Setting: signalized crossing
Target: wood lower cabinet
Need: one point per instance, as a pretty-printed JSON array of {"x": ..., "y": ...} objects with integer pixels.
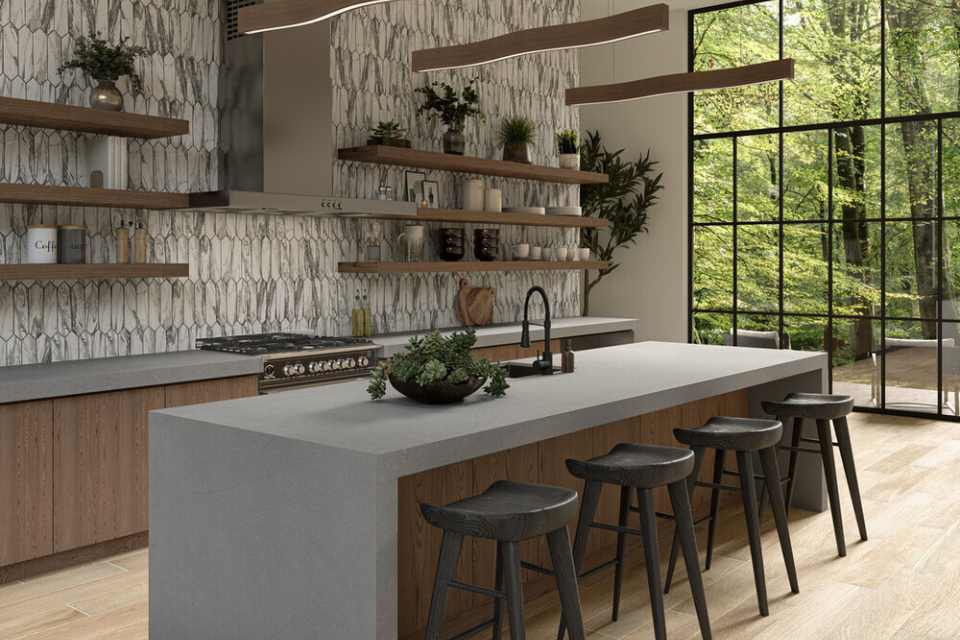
[
  {"x": 26, "y": 481},
  {"x": 180, "y": 395},
  {"x": 100, "y": 465}
]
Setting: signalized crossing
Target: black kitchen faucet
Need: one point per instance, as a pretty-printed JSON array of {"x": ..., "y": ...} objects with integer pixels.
[{"x": 545, "y": 362}]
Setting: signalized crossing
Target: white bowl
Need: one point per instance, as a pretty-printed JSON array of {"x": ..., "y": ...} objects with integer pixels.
[
  {"x": 537, "y": 210},
  {"x": 564, "y": 211}
]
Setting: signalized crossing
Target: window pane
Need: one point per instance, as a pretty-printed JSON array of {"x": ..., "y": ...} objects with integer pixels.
[
  {"x": 951, "y": 270},
  {"x": 911, "y": 366},
  {"x": 856, "y": 365},
  {"x": 856, "y": 173},
  {"x": 856, "y": 268},
  {"x": 805, "y": 176},
  {"x": 806, "y": 334},
  {"x": 748, "y": 324},
  {"x": 951, "y": 167},
  {"x": 921, "y": 57},
  {"x": 731, "y": 38},
  {"x": 757, "y": 188},
  {"x": 713, "y": 180},
  {"x": 713, "y": 267},
  {"x": 911, "y": 263},
  {"x": 951, "y": 368},
  {"x": 758, "y": 267},
  {"x": 912, "y": 170},
  {"x": 805, "y": 273},
  {"x": 836, "y": 46},
  {"x": 711, "y": 328}
]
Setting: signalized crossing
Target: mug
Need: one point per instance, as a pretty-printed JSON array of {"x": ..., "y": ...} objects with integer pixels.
[
  {"x": 584, "y": 253},
  {"x": 536, "y": 252},
  {"x": 561, "y": 254},
  {"x": 549, "y": 253},
  {"x": 412, "y": 240},
  {"x": 573, "y": 252},
  {"x": 486, "y": 244},
  {"x": 521, "y": 251},
  {"x": 451, "y": 244}
]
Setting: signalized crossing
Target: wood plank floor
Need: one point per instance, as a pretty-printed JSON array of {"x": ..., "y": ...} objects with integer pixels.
[{"x": 904, "y": 584}]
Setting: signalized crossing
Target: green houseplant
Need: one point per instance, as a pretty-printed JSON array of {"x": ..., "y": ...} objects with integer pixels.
[
  {"x": 106, "y": 64},
  {"x": 437, "y": 369},
  {"x": 624, "y": 201},
  {"x": 389, "y": 133},
  {"x": 453, "y": 108},
  {"x": 516, "y": 135},
  {"x": 568, "y": 149}
]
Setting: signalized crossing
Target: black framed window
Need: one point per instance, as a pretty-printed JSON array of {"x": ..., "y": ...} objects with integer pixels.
[{"x": 826, "y": 210}]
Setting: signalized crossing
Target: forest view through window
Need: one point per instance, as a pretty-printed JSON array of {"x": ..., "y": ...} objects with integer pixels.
[{"x": 825, "y": 212}]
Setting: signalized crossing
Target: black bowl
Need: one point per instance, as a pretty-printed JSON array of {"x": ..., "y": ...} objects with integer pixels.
[{"x": 440, "y": 393}]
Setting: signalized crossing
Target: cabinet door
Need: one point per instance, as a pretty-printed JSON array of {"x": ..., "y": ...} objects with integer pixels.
[
  {"x": 179, "y": 395},
  {"x": 100, "y": 466},
  {"x": 26, "y": 481}
]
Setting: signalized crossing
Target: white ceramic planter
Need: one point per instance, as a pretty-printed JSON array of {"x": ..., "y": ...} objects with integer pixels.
[{"x": 570, "y": 161}]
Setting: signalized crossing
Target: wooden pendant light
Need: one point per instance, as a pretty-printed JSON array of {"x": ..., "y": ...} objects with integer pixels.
[
  {"x": 287, "y": 14},
  {"x": 682, "y": 83},
  {"x": 564, "y": 36}
]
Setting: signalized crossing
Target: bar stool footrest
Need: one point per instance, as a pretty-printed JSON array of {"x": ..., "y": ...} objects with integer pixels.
[{"x": 483, "y": 591}]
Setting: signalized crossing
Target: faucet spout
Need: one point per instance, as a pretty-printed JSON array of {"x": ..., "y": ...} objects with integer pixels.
[{"x": 545, "y": 361}]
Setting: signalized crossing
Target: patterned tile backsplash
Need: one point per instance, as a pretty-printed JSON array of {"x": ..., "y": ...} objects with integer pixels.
[{"x": 253, "y": 273}]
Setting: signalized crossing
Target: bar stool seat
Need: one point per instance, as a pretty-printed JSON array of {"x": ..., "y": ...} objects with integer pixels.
[
  {"x": 813, "y": 406},
  {"x": 507, "y": 511},
  {"x": 743, "y": 434},
  {"x": 632, "y": 465}
]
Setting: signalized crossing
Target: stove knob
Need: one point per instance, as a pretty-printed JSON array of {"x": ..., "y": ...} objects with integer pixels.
[
  {"x": 314, "y": 367},
  {"x": 299, "y": 369},
  {"x": 327, "y": 365},
  {"x": 363, "y": 361},
  {"x": 350, "y": 363},
  {"x": 336, "y": 364},
  {"x": 269, "y": 371},
  {"x": 289, "y": 370}
]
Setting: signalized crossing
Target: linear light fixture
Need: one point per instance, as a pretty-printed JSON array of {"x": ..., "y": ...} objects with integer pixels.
[
  {"x": 682, "y": 83},
  {"x": 623, "y": 26},
  {"x": 287, "y": 14}
]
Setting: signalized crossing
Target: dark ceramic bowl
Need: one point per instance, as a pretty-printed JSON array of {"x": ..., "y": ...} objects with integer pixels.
[{"x": 441, "y": 393}]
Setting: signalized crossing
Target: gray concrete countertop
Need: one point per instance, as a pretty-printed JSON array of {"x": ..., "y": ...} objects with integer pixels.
[
  {"x": 405, "y": 437},
  {"x": 53, "y": 380},
  {"x": 510, "y": 333}
]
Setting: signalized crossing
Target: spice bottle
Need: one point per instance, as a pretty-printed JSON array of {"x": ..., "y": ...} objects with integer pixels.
[
  {"x": 367, "y": 317},
  {"x": 356, "y": 317},
  {"x": 567, "y": 357},
  {"x": 123, "y": 244},
  {"x": 140, "y": 244}
]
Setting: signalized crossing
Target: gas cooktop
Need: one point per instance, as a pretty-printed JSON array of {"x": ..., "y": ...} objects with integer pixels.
[{"x": 271, "y": 343}]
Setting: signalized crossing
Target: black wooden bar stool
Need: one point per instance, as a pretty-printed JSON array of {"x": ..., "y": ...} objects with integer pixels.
[
  {"x": 823, "y": 409},
  {"x": 508, "y": 512},
  {"x": 744, "y": 436},
  {"x": 641, "y": 468}
]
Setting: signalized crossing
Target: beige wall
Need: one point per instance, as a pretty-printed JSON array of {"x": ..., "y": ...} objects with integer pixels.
[{"x": 651, "y": 284}]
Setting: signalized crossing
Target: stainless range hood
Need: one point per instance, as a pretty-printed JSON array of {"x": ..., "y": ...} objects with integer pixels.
[{"x": 276, "y": 134}]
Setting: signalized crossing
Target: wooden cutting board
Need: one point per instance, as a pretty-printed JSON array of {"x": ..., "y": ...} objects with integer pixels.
[{"x": 475, "y": 304}]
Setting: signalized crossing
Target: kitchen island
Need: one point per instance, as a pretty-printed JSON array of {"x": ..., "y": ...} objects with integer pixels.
[{"x": 294, "y": 515}]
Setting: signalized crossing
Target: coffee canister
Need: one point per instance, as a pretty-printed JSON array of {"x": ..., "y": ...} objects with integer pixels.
[
  {"x": 72, "y": 244},
  {"x": 42, "y": 244}
]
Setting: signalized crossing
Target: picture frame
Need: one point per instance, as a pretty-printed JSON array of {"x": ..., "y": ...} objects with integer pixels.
[
  {"x": 413, "y": 185},
  {"x": 431, "y": 193}
]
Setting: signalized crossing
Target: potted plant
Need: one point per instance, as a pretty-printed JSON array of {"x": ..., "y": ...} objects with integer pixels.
[
  {"x": 516, "y": 136},
  {"x": 389, "y": 133},
  {"x": 105, "y": 63},
  {"x": 453, "y": 108},
  {"x": 438, "y": 370},
  {"x": 569, "y": 152}
]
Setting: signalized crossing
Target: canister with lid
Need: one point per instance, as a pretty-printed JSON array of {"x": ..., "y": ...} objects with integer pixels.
[
  {"x": 72, "y": 244},
  {"x": 42, "y": 244}
]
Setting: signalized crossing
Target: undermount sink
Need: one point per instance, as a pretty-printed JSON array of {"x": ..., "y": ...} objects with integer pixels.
[{"x": 525, "y": 369}]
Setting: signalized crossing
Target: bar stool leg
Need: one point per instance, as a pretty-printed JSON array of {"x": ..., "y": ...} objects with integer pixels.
[
  {"x": 588, "y": 509},
  {"x": 850, "y": 469},
  {"x": 749, "y": 491},
  {"x": 621, "y": 540},
  {"x": 648, "y": 528},
  {"x": 566, "y": 576},
  {"x": 830, "y": 470},
  {"x": 511, "y": 575},
  {"x": 768, "y": 458},
  {"x": 446, "y": 571},
  {"x": 719, "y": 458},
  {"x": 794, "y": 455},
  {"x": 498, "y": 603},
  {"x": 698, "y": 453},
  {"x": 680, "y": 500}
]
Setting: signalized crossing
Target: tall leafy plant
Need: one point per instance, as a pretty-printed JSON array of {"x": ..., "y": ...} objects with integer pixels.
[
  {"x": 451, "y": 106},
  {"x": 624, "y": 201},
  {"x": 103, "y": 61}
]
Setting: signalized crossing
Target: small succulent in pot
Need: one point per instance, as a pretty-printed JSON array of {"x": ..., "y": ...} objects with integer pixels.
[
  {"x": 437, "y": 369},
  {"x": 106, "y": 63},
  {"x": 516, "y": 136},
  {"x": 569, "y": 149},
  {"x": 453, "y": 108},
  {"x": 389, "y": 133}
]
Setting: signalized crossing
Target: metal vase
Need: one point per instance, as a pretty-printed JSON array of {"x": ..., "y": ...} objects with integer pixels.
[
  {"x": 106, "y": 96},
  {"x": 454, "y": 142},
  {"x": 517, "y": 152}
]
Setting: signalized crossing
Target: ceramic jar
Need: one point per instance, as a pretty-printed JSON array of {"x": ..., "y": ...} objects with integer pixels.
[{"x": 42, "y": 244}]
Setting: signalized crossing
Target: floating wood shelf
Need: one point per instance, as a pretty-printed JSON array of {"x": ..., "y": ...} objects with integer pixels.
[
  {"x": 466, "y": 266},
  {"x": 287, "y": 14},
  {"x": 682, "y": 83},
  {"x": 92, "y": 271},
  {"x": 381, "y": 154},
  {"x": 489, "y": 217},
  {"x": 588, "y": 33},
  {"x": 47, "y": 115},
  {"x": 86, "y": 197}
]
